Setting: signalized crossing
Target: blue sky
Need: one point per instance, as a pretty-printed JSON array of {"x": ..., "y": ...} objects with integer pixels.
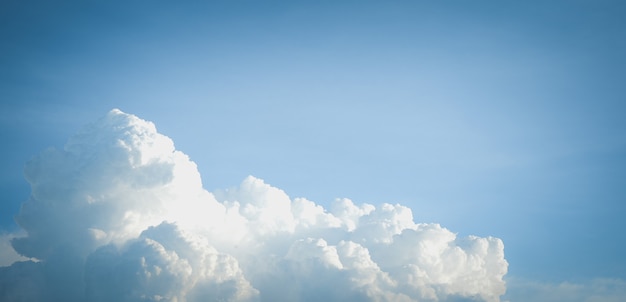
[{"x": 493, "y": 118}]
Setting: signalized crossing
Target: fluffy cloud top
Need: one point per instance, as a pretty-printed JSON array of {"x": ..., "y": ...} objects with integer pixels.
[{"x": 120, "y": 215}]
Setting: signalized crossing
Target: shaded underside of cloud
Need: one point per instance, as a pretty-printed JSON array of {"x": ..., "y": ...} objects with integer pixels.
[{"x": 120, "y": 215}]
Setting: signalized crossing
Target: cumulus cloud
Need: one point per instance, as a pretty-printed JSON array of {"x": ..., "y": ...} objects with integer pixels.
[
  {"x": 167, "y": 264},
  {"x": 120, "y": 215}
]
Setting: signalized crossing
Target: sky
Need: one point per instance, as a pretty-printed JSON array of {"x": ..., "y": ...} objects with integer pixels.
[{"x": 488, "y": 118}]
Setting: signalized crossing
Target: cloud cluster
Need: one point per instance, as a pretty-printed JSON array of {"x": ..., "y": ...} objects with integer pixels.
[{"x": 120, "y": 215}]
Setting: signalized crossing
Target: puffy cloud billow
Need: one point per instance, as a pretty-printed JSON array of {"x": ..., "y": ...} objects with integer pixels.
[{"x": 120, "y": 215}]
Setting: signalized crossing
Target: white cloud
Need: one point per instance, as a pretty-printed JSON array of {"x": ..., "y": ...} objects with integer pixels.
[
  {"x": 167, "y": 264},
  {"x": 119, "y": 214}
]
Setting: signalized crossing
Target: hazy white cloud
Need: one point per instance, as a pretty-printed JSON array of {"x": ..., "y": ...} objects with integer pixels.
[
  {"x": 120, "y": 215},
  {"x": 594, "y": 290},
  {"x": 7, "y": 254}
]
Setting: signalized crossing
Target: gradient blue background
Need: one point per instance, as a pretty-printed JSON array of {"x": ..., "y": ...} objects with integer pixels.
[{"x": 503, "y": 118}]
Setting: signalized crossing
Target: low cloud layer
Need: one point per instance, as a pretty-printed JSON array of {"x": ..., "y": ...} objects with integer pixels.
[
  {"x": 120, "y": 215},
  {"x": 591, "y": 290}
]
